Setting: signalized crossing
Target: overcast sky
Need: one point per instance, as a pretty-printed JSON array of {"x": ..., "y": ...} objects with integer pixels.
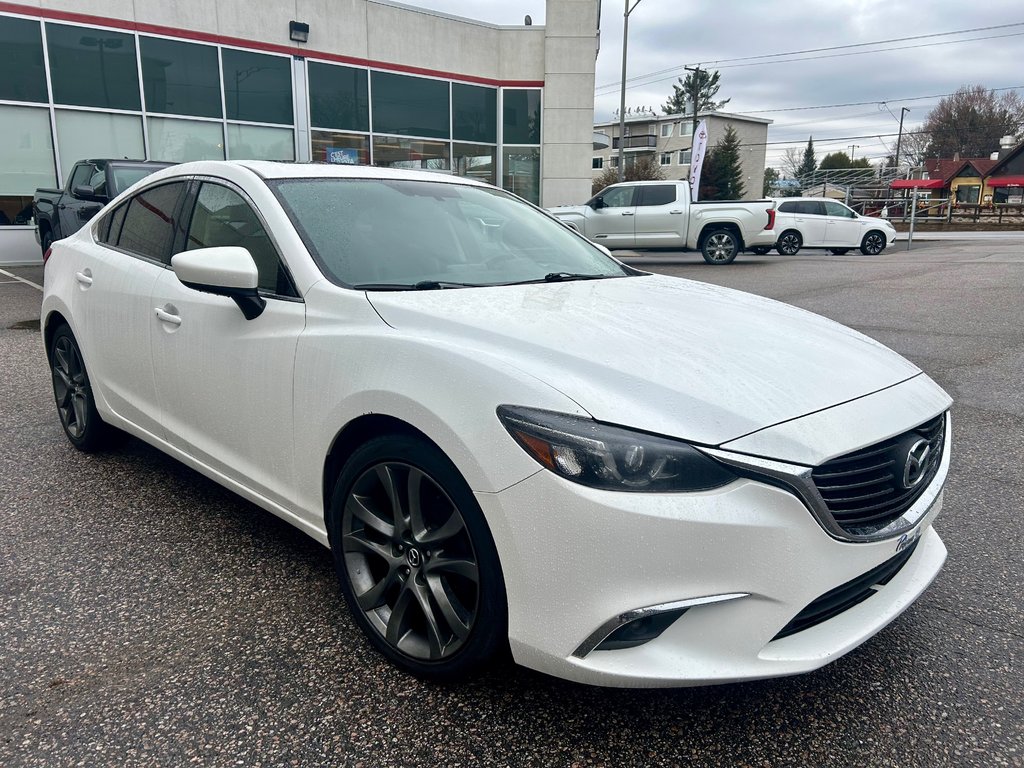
[{"x": 668, "y": 34}]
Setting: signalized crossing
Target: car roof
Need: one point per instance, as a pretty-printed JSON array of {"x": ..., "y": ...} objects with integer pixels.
[
  {"x": 273, "y": 170},
  {"x": 814, "y": 199}
]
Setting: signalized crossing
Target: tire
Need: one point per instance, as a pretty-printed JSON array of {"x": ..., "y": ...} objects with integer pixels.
[
  {"x": 789, "y": 243},
  {"x": 720, "y": 246},
  {"x": 419, "y": 573},
  {"x": 873, "y": 243},
  {"x": 72, "y": 393},
  {"x": 45, "y": 240},
  {"x": 760, "y": 250},
  {"x": 838, "y": 251}
]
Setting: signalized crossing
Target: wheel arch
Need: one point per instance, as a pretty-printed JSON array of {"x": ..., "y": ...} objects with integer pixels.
[
  {"x": 54, "y": 320},
  {"x": 727, "y": 225}
]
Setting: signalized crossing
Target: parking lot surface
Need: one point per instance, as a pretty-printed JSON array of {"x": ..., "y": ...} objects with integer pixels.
[{"x": 149, "y": 617}]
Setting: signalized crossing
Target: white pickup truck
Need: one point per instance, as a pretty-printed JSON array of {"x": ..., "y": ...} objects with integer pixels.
[{"x": 659, "y": 214}]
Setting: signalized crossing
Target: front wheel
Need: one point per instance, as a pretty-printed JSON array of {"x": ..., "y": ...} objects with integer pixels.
[
  {"x": 415, "y": 559},
  {"x": 73, "y": 393},
  {"x": 789, "y": 243},
  {"x": 872, "y": 244},
  {"x": 45, "y": 240},
  {"x": 720, "y": 246}
]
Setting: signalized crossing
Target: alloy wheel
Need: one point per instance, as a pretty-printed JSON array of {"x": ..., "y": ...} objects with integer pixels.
[
  {"x": 721, "y": 247},
  {"x": 410, "y": 561},
  {"x": 70, "y": 387},
  {"x": 873, "y": 244},
  {"x": 789, "y": 244}
]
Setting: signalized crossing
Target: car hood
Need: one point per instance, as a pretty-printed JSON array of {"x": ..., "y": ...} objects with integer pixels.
[{"x": 661, "y": 354}]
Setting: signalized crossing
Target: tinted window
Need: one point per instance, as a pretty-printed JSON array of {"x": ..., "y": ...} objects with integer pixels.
[
  {"x": 180, "y": 78},
  {"x": 82, "y": 175},
  {"x": 338, "y": 97},
  {"x": 222, "y": 217},
  {"x": 410, "y": 106},
  {"x": 24, "y": 77},
  {"x": 474, "y": 113},
  {"x": 618, "y": 197},
  {"x": 149, "y": 223},
  {"x": 93, "y": 67},
  {"x": 814, "y": 208},
  {"x": 257, "y": 87},
  {"x": 521, "y": 119},
  {"x": 659, "y": 194},
  {"x": 110, "y": 228},
  {"x": 789, "y": 207}
]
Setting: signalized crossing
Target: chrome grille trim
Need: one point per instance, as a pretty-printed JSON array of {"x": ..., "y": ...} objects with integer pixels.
[{"x": 797, "y": 479}]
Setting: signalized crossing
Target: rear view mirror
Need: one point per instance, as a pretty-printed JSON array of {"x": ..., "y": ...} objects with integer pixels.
[
  {"x": 224, "y": 271},
  {"x": 597, "y": 202},
  {"x": 85, "y": 192}
]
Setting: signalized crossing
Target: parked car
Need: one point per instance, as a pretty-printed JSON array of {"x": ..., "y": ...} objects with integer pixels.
[
  {"x": 659, "y": 214},
  {"x": 819, "y": 222},
  {"x": 91, "y": 183},
  {"x": 506, "y": 437}
]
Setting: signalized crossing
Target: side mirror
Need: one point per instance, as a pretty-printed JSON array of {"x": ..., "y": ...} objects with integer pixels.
[
  {"x": 85, "y": 192},
  {"x": 597, "y": 203},
  {"x": 224, "y": 271}
]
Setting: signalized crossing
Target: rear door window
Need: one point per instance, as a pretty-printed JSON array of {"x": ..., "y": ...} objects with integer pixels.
[
  {"x": 148, "y": 226},
  {"x": 657, "y": 194}
]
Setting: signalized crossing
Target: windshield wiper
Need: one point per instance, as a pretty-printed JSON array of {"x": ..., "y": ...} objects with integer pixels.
[
  {"x": 422, "y": 285},
  {"x": 561, "y": 277}
]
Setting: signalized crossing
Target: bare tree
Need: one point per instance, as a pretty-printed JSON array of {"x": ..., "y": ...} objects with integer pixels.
[
  {"x": 791, "y": 161},
  {"x": 640, "y": 169},
  {"x": 972, "y": 121}
]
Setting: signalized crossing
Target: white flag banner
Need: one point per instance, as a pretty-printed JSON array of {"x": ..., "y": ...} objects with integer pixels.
[{"x": 697, "y": 152}]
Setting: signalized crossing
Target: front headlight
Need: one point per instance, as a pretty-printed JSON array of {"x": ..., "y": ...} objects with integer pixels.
[{"x": 613, "y": 458}]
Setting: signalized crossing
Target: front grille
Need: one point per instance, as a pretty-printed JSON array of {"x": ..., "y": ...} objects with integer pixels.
[
  {"x": 866, "y": 490},
  {"x": 847, "y": 595}
]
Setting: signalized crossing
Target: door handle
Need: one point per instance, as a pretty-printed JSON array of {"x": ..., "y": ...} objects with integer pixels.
[
  {"x": 627, "y": 213},
  {"x": 167, "y": 317},
  {"x": 675, "y": 212},
  {"x": 84, "y": 278}
]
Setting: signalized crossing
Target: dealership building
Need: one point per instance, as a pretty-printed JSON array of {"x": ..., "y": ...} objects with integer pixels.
[{"x": 346, "y": 81}]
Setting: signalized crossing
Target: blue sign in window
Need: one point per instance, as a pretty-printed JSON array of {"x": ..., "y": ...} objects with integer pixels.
[{"x": 342, "y": 156}]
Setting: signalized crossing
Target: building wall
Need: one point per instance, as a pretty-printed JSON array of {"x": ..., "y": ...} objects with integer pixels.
[{"x": 396, "y": 86}]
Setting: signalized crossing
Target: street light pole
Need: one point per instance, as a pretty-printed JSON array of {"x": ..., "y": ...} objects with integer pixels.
[
  {"x": 899, "y": 138},
  {"x": 622, "y": 91}
]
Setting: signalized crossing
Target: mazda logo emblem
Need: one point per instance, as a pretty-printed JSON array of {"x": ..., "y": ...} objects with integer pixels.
[{"x": 916, "y": 464}]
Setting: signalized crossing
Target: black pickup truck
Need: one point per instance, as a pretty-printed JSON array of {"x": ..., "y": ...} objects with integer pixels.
[{"x": 91, "y": 184}]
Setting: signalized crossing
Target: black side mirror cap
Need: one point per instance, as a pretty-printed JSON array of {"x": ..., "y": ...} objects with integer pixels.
[{"x": 85, "y": 192}]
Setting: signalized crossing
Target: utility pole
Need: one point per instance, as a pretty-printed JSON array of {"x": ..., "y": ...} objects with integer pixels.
[
  {"x": 622, "y": 91},
  {"x": 899, "y": 138},
  {"x": 695, "y": 95},
  {"x": 853, "y": 147}
]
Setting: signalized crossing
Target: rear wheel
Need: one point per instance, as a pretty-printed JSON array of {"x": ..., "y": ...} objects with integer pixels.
[
  {"x": 415, "y": 559},
  {"x": 873, "y": 243},
  {"x": 73, "y": 394},
  {"x": 789, "y": 242},
  {"x": 45, "y": 240},
  {"x": 720, "y": 246}
]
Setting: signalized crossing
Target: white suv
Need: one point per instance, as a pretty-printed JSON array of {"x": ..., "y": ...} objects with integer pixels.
[{"x": 818, "y": 222}]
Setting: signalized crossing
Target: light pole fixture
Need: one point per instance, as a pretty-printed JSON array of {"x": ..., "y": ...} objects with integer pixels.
[
  {"x": 298, "y": 32},
  {"x": 622, "y": 91}
]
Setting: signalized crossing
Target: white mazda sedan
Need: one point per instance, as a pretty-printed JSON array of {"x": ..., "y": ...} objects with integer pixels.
[{"x": 507, "y": 438}]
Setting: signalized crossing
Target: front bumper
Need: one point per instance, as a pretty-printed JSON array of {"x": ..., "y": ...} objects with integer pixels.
[{"x": 581, "y": 556}]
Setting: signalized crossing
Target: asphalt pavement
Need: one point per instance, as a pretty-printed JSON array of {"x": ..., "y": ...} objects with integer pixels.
[{"x": 150, "y": 618}]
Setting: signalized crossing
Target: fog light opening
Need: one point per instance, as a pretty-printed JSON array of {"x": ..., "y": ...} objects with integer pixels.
[{"x": 640, "y": 631}]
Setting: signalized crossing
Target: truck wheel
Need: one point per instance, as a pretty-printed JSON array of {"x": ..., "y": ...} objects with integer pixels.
[
  {"x": 789, "y": 242},
  {"x": 45, "y": 240},
  {"x": 720, "y": 246}
]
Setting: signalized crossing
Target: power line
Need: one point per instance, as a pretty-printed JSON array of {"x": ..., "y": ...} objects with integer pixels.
[
  {"x": 866, "y": 103},
  {"x": 754, "y": 60}
]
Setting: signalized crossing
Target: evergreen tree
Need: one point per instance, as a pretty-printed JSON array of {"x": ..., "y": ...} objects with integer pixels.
[
  {"x": 707, "y": 88},
  {"x": 770, "y": 177},
  {"x": 808, "y": 165},
  {"x": 722, "y": 175}
]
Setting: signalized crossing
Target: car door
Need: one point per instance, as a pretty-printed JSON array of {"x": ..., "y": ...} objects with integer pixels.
[
  {"x": 75, "y": 212},
  {"x": 810, "y": 221},
  {"x": 844, "y": 226},
  {"x": 115, "y": 279},
  {"x": 659, "y": 220},
  {"x": 611, "y": 224},
  {"x": 224, "y": 383}
]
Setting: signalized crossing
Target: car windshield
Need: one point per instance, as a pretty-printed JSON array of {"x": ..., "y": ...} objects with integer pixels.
[
  {"x": 126, "y": 175},
  {"x": 388, "y": 234}
]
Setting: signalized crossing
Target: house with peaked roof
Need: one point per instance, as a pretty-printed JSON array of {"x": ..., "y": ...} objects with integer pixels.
[
  {"x": 963, "y": 179},
  {"x": 1005, "y": 181}
]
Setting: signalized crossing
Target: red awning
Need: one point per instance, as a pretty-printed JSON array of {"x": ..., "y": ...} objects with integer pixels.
[
  {"x": 917, "y": 183},
  {"x": 1006, "y": 181}
]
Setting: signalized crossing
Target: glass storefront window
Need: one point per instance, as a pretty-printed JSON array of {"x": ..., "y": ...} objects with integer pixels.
[
  {"x": 24, "y": 77},
  {"x": 180, "y": 78},
  {"x": 257, "y": 87},
  {"x": 340, "y": 148},
  {"x": 475, "y": 161},
  {"x": 521, "y": 172},
  {"x": 474, "y": 113},
  {"x": 414, "y": 154},
  {"x": 521, "y": 119},
  {"x": 85, "y": 135},
  {"x": 338, "y": 97},
  {"x": 179, "y": 141},
  {"x": 93, "y": 67},
  {"x": 258, "y": 142},
  {"x": 26, "y": 160},
  {"x": 410, "y": 106}
]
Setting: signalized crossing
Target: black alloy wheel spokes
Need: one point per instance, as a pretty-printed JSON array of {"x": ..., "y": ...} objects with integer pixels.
[
  {"x": 70, "y": 387},
  {"x": 410, "y": 561}
]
